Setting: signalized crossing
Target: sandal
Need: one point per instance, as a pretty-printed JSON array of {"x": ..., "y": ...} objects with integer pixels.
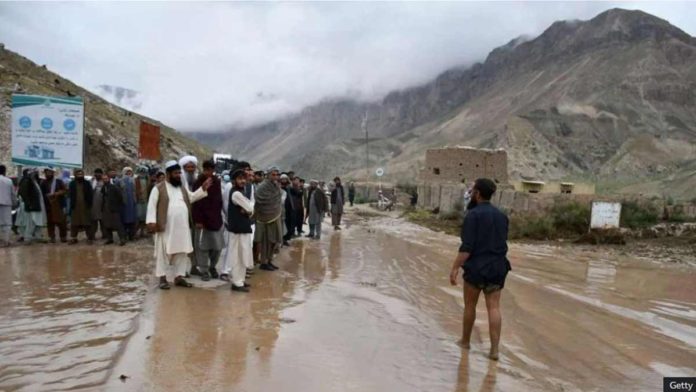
[
  {"x": 181, "y": 282},
  {"x": 164, "y": 285}
]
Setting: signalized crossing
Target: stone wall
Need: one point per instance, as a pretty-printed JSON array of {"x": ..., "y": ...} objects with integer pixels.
[
  {"x": 464, "y": 165},
  {"x": 446, "y": 196}
]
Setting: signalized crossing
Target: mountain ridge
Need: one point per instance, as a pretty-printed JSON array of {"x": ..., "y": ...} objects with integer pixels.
[{"x": 585, "y": 99}]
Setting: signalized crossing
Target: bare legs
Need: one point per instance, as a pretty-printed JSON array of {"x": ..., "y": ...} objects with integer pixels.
[
  {"x": 471, "y": 295},
  {"x": 495, "y": 321}
]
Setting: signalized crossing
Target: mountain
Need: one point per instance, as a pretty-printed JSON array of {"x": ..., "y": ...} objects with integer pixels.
[
  {"x": 111, "y": 131},
  {"x": 611, "y": 100},
  {"x": 121, "y": 96}
]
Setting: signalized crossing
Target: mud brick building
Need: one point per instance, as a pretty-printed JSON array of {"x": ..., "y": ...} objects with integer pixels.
[{"x": 464, "y": 165}]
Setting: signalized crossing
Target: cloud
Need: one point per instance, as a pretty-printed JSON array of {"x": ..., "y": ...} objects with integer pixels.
[{"x": 212, "y": 66}]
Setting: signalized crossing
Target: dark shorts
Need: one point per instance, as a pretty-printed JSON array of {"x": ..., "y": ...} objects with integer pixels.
[{"x": 487, "y": 288}]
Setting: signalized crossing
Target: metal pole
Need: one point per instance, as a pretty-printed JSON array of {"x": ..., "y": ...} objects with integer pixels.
[{"x": 367, "y": 150}]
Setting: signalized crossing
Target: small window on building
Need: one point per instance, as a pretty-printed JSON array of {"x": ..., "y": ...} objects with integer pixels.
[
  {"x": 533, "y": 191},
  {"x": 461, "y": 164},
  {"x": 566, "y": 189},
  {"x": 436, "y": 171}
]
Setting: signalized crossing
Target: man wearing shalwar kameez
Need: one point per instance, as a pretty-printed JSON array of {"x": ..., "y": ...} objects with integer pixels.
[
  {"x": 239, "y": 249},
  {"x": 54, "y": 198},
  {"x": 189, "y": 166},
  {"x": 268, "y": 213},
  {"x": 316, "y": 208},
  {"x": 337, "y": 201},
  {"x": 142, "y": 192},
  {"x": 32, "y": 215},
  {"x": 169, "y": 217},
  {"x": 249, "y": 191},
  {"x": 207, "y": 218},
  {"x": 129, "y": 212},
  {"x": 8, "y": 200},
  {"x": 80, "y": 199}
]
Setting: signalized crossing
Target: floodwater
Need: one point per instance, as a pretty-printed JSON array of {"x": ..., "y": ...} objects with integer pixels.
[{"x": 369, "y": 308}]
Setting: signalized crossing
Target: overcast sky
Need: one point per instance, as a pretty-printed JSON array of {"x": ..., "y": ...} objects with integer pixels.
[{"x": 209, "y": 66}]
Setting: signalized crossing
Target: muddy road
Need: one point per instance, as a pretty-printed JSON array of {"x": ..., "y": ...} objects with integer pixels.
[{"x": 366, "y": 309}]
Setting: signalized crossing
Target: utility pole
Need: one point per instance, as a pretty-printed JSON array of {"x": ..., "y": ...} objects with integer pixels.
[{"x": 367, "y": 149}]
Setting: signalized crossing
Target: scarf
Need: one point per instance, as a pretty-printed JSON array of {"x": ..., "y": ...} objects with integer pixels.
[{"x": 268, "y": 202}]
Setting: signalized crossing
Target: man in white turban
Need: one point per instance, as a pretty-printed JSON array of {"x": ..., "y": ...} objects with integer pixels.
[
  {"x": 169, "y": 217},
  {"x": 189, "y": 164}
]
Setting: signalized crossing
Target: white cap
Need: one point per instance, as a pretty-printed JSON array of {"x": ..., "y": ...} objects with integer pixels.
[
  {"x": 171, "y": 163},
  {"x": 188, "y": 159}
]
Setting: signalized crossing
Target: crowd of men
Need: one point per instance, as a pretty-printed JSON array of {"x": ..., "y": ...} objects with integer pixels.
[
  {"x": 214, "y": 225},
  {"x": 220, "y": 226}
]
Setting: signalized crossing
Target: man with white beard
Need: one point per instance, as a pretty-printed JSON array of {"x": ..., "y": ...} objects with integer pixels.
[
  {"x": 189, "y": 164},
  {"x": 169, "y": 217}
]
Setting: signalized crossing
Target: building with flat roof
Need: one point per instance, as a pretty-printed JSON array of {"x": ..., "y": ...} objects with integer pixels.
[{"x": 464, "y": 165}]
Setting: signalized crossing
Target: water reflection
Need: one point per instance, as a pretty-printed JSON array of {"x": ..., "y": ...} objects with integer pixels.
[{"x": 65, "y": 314}]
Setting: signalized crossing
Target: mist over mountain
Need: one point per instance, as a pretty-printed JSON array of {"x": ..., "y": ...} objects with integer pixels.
[
  {"x": 121, "y": 96},
  {"x": 611, "y": 99}
]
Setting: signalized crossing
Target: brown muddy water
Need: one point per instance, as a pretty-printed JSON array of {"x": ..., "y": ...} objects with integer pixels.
[{"x": 369, "y": 308}]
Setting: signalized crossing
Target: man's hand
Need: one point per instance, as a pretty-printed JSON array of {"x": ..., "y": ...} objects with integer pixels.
[
  {"x": 199, "y": 225},
  {"x": 459, "y": 261},
  {"x": 207, "y": 183},
  {"x": 152, "y": 227},
  {"x": 453, "y": 276}
]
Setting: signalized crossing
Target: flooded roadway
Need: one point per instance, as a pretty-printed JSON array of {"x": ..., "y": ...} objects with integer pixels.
[{"x": 366, "y": 309}]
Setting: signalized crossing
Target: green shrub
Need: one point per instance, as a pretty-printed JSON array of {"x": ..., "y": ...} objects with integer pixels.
[
  {"x": 677, "y": 218},
  {"x": 635, "y": 215},
  {"x": 360, "y": 199},
  {"x": 418, "y": 215},
  {"x": 571, "y": 218},
  {"x": 407, "y": 187},
  {"x": 451, "y": 215},
  {"x": 531, "y": 226}
]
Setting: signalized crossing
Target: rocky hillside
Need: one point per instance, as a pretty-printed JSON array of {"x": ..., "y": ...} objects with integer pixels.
[
  {"x": 611, "y": 100},
  {"x": 111, "y": 131}
]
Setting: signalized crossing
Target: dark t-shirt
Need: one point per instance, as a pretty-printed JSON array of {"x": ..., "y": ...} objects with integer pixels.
[{"x": 484, "y": 236}]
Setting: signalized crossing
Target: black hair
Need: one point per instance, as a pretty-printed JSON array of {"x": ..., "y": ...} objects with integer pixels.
[
  {"x": 485, "y": 187},
  {"x": 98, "y": 171},
  {"x": 209, "y": 164},
  {"x": 337, "y": 178},
  {"x": 243, "y": 165},
  {"x": 3, "y": 170},
  {"x": 237, "y": 173},
  {"x": 173, "y": 168}
]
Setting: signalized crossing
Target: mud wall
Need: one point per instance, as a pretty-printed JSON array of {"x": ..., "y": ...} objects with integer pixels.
[
  {"x": 446, "y": 196},
  {"x": 461, "y": 165}
]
